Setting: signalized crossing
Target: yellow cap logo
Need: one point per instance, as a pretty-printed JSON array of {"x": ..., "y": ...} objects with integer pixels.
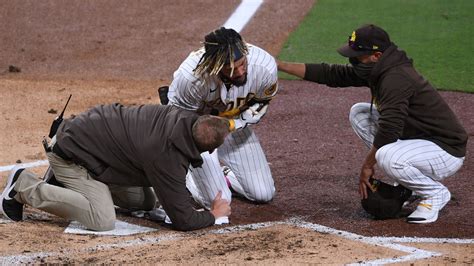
[{"x": 353, "y": 36}]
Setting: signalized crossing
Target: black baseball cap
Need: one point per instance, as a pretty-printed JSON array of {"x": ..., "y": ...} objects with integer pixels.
[{"x": 365, "y": 40}]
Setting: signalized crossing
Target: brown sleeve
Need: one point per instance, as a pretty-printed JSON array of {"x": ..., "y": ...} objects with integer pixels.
[
  {"x": 393, "y": 97},
  {"x": 170, "y": 188},
  {"x": 333, "y": 75}
]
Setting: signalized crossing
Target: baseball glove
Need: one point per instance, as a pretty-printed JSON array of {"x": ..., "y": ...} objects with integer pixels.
[{"x": 386, "y": 201}]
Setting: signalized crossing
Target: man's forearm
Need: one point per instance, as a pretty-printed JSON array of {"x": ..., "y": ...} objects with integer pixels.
[
  {"x": 366, "y": 172},
  {"x": 370, "y": 158},
  {"x": 296, "y": 69}
]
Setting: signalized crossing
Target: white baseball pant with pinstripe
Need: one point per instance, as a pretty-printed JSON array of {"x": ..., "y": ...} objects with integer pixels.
[
  {"x": 417, "y": 164},
  {"x": 243, "y": 154}
]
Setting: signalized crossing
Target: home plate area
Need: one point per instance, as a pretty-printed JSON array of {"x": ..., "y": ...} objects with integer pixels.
[{"x": 290, "y": 241}]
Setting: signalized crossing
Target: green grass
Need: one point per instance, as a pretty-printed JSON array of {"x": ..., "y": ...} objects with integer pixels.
[{"x": 437, "y": 34}]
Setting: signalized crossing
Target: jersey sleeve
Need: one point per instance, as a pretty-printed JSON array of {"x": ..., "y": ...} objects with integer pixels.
[
  {"x": 268, "y": 76},
  {"x": 186, "y": 91}
]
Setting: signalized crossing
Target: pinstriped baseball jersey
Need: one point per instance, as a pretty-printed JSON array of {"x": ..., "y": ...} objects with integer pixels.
[
  {"x": 203, "y": 94},
  {"x": 241, "y": 151}
]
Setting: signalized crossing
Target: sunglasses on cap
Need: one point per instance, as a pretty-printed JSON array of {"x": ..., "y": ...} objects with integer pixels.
[{"x": 360, "y": 47}]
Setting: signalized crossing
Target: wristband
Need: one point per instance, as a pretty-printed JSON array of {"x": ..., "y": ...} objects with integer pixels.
[
  {"x": 231, "y": 125},
  {"x": 235, "y": 124}
]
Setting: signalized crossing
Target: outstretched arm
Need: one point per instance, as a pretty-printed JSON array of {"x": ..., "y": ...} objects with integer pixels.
[
  {"x": 332, "y": 75},
  {"x": 296, "y": 69}
]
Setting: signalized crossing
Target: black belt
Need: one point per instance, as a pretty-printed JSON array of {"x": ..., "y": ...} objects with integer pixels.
[{"x": 57, "y": 150}]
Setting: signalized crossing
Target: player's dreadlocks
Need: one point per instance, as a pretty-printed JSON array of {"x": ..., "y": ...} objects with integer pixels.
[{"x": 222, "y": 46}]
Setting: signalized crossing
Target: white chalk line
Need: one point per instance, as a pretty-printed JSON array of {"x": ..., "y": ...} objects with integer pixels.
[
  {"x": 414, "y": 253},
  {"x": 242, "y": 14},
  {"x": 425, "y": 240},
  {"x": 387, "y": 242},
  {"x": 24, "y": 165}
]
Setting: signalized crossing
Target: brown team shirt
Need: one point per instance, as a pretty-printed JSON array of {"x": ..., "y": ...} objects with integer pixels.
[
  {"x": 149, "y": 145},
  {"x": 410, "y": 108}
]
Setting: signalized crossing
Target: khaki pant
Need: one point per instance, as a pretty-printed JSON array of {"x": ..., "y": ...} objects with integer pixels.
[{"x": 83, "y": 198}]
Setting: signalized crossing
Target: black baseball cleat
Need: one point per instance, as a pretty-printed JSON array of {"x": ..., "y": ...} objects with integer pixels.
[
  {"x": 9, "y": 206},
  {"x": 163, "y": 93}
]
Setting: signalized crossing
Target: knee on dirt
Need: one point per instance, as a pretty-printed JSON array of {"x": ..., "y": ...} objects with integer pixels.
[
  {"x": 101, "y": 222},
  {"x": 261, "y": 196}
]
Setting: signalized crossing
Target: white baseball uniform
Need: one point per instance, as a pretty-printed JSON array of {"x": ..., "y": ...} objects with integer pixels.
[
  {"x": 241, "y": 151},
  {"x": 417, "y": 164}
]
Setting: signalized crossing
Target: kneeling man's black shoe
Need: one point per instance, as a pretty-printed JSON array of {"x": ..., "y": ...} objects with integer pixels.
[{"x": 9, "y": 206}]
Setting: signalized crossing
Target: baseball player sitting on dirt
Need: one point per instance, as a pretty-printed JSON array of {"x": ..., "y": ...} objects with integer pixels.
[
  {"x": 114, "y": 154},
  {"x": 412, "y": 134},
  {"x": 229, "y": 78}
]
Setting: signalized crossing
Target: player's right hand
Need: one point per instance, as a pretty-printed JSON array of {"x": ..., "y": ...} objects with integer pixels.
[
  {"x": 220, "y": 207},
  {"x": 252, "y": 115}
]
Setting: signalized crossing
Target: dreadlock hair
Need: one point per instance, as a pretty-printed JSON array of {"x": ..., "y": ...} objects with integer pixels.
[{"x": 221, "y": 47}]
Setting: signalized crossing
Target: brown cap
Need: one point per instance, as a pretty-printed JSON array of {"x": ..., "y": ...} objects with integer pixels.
[{"x": 365, "y": 40}]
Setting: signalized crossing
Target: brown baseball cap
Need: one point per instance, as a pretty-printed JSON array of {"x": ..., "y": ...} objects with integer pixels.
[{"x": 365, "y": 40}]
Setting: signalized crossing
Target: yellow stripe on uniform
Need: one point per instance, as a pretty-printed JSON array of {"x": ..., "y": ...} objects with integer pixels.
[
  {"x": 426, "y": 205},
  {"x": 231, "y": 125},
  {"x": 230, "y": 114}
]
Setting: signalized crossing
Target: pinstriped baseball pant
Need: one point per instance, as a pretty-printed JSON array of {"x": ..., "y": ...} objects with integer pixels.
[
  {"x": 243, "y": 154},
  {"x": 417, "y": 164}
]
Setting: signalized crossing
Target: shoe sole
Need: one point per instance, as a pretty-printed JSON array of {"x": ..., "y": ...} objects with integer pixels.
[
  {"x": 426, "y": 221},
  {"x": 8, "y": 188}
]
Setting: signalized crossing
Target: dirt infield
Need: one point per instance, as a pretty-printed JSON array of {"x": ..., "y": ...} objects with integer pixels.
[{"x": 112, "y": 52}]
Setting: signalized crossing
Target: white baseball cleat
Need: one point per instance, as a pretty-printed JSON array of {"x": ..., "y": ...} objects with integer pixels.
[{"x": 428, "y": 209}]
